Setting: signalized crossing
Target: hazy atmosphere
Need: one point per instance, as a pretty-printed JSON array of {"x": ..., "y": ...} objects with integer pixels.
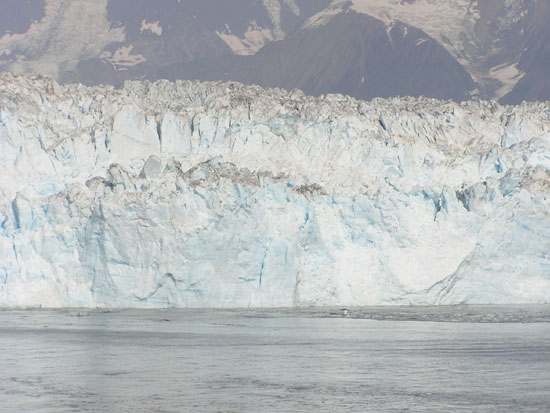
[
  {"x": 274, "y": 205},
  {"x": 457, "y": 49}
]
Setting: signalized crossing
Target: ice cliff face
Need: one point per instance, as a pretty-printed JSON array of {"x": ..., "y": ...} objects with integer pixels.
[{"x": 222, "y": 195}]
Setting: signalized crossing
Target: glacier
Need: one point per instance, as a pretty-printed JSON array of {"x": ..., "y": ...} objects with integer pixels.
[{"x": 210, "y": 194}]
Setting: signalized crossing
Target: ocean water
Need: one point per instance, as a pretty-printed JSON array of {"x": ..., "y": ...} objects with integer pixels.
[{"x": 418, "y": 359}]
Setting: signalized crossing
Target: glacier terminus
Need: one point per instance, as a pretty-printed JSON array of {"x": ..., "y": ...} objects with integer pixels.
[{"x": 211, "y": 194}]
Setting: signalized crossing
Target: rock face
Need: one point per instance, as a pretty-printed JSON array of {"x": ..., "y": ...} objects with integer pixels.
[
  {"x": 445, "y": 49},
  {"x": 109, "y": 41},
  {"x": 358, "y": 55},
  {"x": 222, "y": 195}
]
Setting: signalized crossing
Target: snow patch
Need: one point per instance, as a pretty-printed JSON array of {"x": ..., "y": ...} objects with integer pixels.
[
  {"x": 70, "y": 31},
  {"x": 152, "y": 27},
  {"x": 326, "y": 15},
  {"x": 293, "y": 7},
  {"x": 122, "y": 58},
  {"x": 421, "y": 40},
  {"x": 508, "y": 75},
  {"x": 274, "y": 9},
  {"x": 253, "y": 40}
]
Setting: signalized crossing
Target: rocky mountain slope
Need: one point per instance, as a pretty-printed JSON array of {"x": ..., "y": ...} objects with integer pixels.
[
  {"x": 223, "y": 195},
  {"x": 455, "y": 49},
  {"x": 357, "y": 55}
]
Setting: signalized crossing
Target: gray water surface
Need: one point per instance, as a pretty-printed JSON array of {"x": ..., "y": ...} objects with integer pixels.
[{"x": 485, "y": 359}]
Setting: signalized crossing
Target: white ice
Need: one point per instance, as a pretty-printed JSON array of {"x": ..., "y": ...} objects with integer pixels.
[{"x": 222, "y": 195}]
